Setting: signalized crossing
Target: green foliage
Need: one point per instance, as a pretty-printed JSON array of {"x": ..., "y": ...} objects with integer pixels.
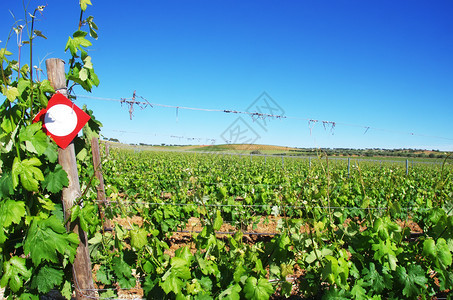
[
  {"x": 15, "y": 273},
  {"x": 36, "y": 251},
  {"x": 258, "y": 289},
  {"x": 350, "y": 251},
  {"x": 46, "y": 279},
  {"x": 56, "y": 180},
  {"x": 48, "y": 238},
  {"x": 29, "y": 173}
]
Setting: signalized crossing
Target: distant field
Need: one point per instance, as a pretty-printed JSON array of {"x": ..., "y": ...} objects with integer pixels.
[
  {"x": 381, "y": 155},
  {"x": 244, "y": 147}
]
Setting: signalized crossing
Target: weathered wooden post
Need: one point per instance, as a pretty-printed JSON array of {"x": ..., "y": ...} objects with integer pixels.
[
  {"x": 100, "y": 188},
  {"x": 349, "y": 166},
  {"x": 82, "y": 273},
  {"x": 407, "y": 166}
]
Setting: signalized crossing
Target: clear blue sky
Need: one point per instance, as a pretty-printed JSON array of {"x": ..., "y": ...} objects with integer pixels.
[{"x": 387, "y": 65}]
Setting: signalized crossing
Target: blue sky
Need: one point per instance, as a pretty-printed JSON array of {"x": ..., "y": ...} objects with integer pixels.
[{"x": 381, "y": 70}]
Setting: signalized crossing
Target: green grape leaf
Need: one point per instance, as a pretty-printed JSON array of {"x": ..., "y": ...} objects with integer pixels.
[
  {"x": 439, "y": 253},
  {"x": 258, "y": 289},
  {"x": 84, "y": 4},
  {"x": 429, "y": 247},
  {"x": 6, "y": 185},
  {"x": 443, "y": 253},
  {"x": 358, "y": 291},
  {"x": 7, "y": 125},
  {"x": 94, "y": 78},
  {"x": 180, "y": 267},
  {"x": 36, "y": 141},
  {"x": 80, "y": 40},
  {"x": 102, "y": 275},
  {"x": 218, "y": 221},
  {"x": 15, "y": 273},
  {"x": 120, "y": 267},
  {"x": 56, "y": 180},
  {"x": 66, "y": 291},
  {"x": 46, "y": 238},
  {"x": 51, "y": 152},
  {"x": 231, "y": 293},
  {"x": 171, "y": 284},
  {"x": 11, "y": 212},
  {"x": 28, "y": 172},
  {"x": 46, "y": 87},
  {"x": 72, "y": 46},
  {"x": 139, "y": 238},
  {"x": 127, "y": 283},
  {"x": 3, "y": 53},
  {"x": 10, "y": 92},
  {"x": 46, "y": 279},
  {"x": 413, "y": 280},
  {"x": 23, "y": 84},
  {"x": 385, "y": 252},
  {"x": 374, "y": 279},
  {"x": 83, "y": 74}
]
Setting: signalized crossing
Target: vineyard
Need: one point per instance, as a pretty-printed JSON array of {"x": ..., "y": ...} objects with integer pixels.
[
  {"x": 203, "y": 226},
  {"x": 194, "y": 225}
]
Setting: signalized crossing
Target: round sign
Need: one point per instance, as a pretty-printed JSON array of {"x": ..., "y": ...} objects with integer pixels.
[{"x": 60, "y": 120}]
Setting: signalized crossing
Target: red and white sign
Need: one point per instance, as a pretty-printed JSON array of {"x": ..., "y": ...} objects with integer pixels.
[{"x": 62, "y": 120}]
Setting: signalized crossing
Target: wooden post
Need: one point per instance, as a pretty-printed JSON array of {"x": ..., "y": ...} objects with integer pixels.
[
  {"x": 100, "y": 188},
  {"x": 81, "y": 267},
  {"x": 349, "y": 166},
  {"x": 107, "y": 150},
  {"x": 407, "y": 166}
]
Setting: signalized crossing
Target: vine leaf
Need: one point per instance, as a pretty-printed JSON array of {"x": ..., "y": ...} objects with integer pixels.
[
  {"x": 412, "y": 280},
  {"x": 51, "y": 152},
  {"x": 218, "y": 221},
  {"x": 46, "y": 279},
  {"x": 171, "y": 281},
  {"x": 35, "y": 139},
  {"x": 374, "y": 279},
  {"x": 358, "y": 291},
  {"x": 10, "y": 92},
  {"x": 56, "y": 180},
  {"x": 139, "y": 238},
  {"x": 77, "y": 41},
  {"x": 84, "y": 4},
  {"x": 6, "y": 185},
  {"x": 258, "y": 289},
  {"x": 103, "y": 275},
  {"x": 440, "y": 253},
  {"x": 11, "y": 212},
  {"x": 86, "y": 214},
  {"x": 47, "y": 238},
  {"x": 123, "y": 272},
  {"x": 231, "y": 293},
  {"x": 386, "y": 250},
  {"x": 28, "y": 172},
  {"x": 15, "y": 272}
]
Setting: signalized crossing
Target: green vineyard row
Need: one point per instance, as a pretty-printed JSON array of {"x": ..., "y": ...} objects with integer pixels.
[{"x": 376, "y": 233}]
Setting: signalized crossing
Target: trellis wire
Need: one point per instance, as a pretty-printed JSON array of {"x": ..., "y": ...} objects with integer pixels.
[{"x": 132, "y": 101}]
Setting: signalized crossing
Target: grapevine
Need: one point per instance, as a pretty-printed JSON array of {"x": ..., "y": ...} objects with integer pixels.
[{"x": 36, "y": 251}]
